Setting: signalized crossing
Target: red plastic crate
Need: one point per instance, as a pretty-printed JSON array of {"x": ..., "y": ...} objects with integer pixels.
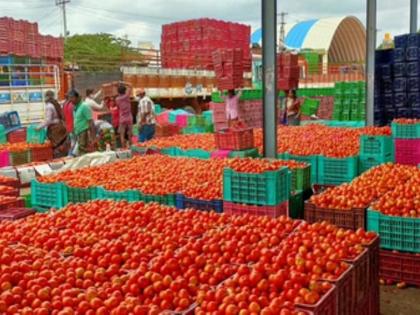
[
  {"x": 8, "y": 181},
  {"x": 9, "y": 191},
  {"x": 219, "y": 126},
  {"x": 373, "y": 250},
  {"x": 41, "y": 154},
  {"x": 407, "y": 151},
  {"x": 287, "y": 59},
  {"x": 270, "y": 211},
  {"x": 17, "y": 136},
  {"x": 374, "y": 303},
  {"x": 347, "y": 219},
  {"x": 235, "y": 140},
  {"x": 361, "y": 277},
  {"x": 220, "y": 154},
  {"x": 344, "y": 288},
  {"x": 11, "y": 202},
  {"x": 15, "y": 213},
  {"x": 287, "y": 84},
  {"x": 400, "y": 267},
  {"x": 291, "y": 72},
  {"x": 327, "y": 305}
]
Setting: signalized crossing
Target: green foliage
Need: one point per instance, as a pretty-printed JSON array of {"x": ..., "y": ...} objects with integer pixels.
[{"x": 97, "y": 52}]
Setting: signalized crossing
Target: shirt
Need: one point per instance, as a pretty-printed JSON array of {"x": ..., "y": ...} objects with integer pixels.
[
  {"x": 147, "y": 114},
  {"x": 82, "y": 116},
  {"x": 94, "y": 105},
  {"x": 68, "y": 109},
  {"x": 232, "y": 106},
  {"x": 293, "y": 107},
  {"x": 51, "y": 116},
  {"x": 124, "y": 107}
]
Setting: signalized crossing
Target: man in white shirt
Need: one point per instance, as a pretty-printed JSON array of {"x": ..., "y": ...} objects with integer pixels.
[
  {"x": 146, "y": 117},
  {"x": 91, "y": 100}
]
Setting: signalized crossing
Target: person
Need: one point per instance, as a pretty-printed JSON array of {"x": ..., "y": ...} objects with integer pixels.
[
  {"x": 146, "y": 117},
  {"x": 84, "y": 128},
  {"x": 293, "y": 109},
  {"x": 68, "y": 108},
  {"x": 125, "y": 127},
  {"x": 91, "y": 100},
  {"x": 232, "y": 107},
  {"x": 54, "y": 122}
]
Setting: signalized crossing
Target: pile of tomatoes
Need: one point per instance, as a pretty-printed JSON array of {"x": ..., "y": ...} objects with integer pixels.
[
  {"x": 406, "y": 121},
  {"x": 304, "y": 140},
  {"x": 394, "y": 185},
  {"x": 161, "y": 175},
  {"x": 114, "y": 258},
  {"x": 21, "y": 146}
]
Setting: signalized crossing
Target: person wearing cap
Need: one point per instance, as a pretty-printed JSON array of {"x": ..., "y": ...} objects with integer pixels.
[
  {"x": 146, "y": 117},
  {"x": 84, "y": 128}
]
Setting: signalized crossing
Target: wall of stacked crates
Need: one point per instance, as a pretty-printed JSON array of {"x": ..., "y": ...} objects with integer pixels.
[
  {"x": 190, "y": 44},
  {"x": 397, "y": 80}
]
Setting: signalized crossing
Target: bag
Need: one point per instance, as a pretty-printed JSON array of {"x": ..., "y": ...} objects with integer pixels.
[{"x": 57, "y": 134}]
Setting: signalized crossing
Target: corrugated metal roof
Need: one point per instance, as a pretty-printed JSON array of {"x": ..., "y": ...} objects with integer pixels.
[{"x": 297, "y": 34}]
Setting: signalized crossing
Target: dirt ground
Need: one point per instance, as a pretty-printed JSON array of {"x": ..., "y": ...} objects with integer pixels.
[{"x": 396, "y": 301}]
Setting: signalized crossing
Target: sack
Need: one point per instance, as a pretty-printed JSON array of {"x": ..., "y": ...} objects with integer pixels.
[{"x": 57, "y": 133}]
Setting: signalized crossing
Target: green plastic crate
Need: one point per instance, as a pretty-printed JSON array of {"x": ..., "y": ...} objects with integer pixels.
[
  {"x": 296, "y": 205},
  {"x": 367, "y": 162},
  {"x": 312, "y": 160},
  {"x": 310, "y": 107},
  {"x": 3, "y": 135},
  {"x": 300, "y": 178},
  {"x": 35, "y": 136},
  {"x": 172, "y": 151},
  {"x": 208, "y": 116},
  {"x": 198, "y": 154},
  {"x": 266, "y": 189},
  {"x": 376, "y": 146},
  {"x": 48, "y": 195},
  {"x": 196, "y": 121},
  {"x": 216, "y": 97},
  {"x": 245, "y": 153},
  {"x": 158, "y": 109},
  {"x": 168, "y": 200},
  {"x": 81, "y": 195},
  {"x": 128, "y": 195},
  {"x": 193, "y": 130},
  {"x": 334, "y": 171},
  {"x": 400, "y": 131},
  {"x": 396, "y": 233},
  {"x": 20, "y": 158},
  {"x": 28, "y": 201}
]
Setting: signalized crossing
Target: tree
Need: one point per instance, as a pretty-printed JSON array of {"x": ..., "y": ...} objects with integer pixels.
[{"x": 97, "y": 52}]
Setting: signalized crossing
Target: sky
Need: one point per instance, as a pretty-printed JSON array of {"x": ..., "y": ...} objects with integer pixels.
[{"x": 141, "y": 20}]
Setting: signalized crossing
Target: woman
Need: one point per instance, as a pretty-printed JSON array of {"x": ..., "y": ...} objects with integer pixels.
[
  {"x": 56, "y": 128},
  {"x": 232, "y": 108},
  {"x": 293, "y": 109}
]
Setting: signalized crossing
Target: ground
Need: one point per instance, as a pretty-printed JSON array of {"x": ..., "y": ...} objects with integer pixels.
[{"x": 396, "y": 301}]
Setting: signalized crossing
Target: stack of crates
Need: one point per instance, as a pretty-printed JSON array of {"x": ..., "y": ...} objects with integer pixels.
[
  {"x": 198, "y": 124},
  {"x": 239, "y": 142},
  {"x": 313, "y": 61},
  {"x": 349, "y": 101},
  {"x": 406, "y": 142},
  {"x": 374, "y": 151},
  {"x": 264, "y": 194}
]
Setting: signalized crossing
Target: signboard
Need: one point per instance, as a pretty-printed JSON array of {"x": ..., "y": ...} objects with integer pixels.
[
  {"x": 35, "y": 97},
  {"x": 5, "y": 98},
  {"x": 20, "y": 97}
]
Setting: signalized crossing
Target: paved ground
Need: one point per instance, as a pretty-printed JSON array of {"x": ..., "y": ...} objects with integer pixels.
[{"x": 396, "y": 301}]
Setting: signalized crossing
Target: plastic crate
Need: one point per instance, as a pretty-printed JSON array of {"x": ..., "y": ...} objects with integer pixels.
[
  {"x": 197, "y": 154},
  {"x": 296, "y": 205},
  {"x": 245, "y": 153},
  {"x": 407, "y": 151},
  {"x": 235, "y": 140},
  {"x": 4, "y": 158},
  {"x": 135, "y": 150},
  {"x": 193, "y": 130},
  {"x": 12, "y": 214},
  {"x": 11, "y": 191},
  {"x": 400, "y": 267},
  {"x": 220, "y": 154},
  {"x": 300, "y": 178},
  {"x": 397, "y": 233},
  {"x": 400, "y": 131},
  {"x": 348, "y": 219},
  {"x": 48, "y": 195},
  {"x": 336, "y": 171},
  {"x": 168, "y": 200},
  {"x": 41, "y": 154},
  {"x": 373, "y": 252},
  {"x": 27, "y": 200},
  {"x": 12, "y": 202},
  {"x": 197, "y": 121},
  {"x": 183, "y": 202},
  {"x": 366, "y": 163},
  {"x": 313, "y": 160},
  {"x": 361, "y": 277},
  {"x": 266, "y": 189},
  {"x": 269, "y": 211},
  {"x": 327, "y": 305},
  {"x": 344, "y": 288},
  {"x": 375, "y": 145},
  {"x": 81, "y": 195},
  {"x": 20, "y": 158},
  {"x": 128, "y": 195},
  {"x": 35, "y": 136},
  {"x": 172, "y": 151},
  {"x": 3, "y": 135},
  {"x": 310, "y": 107},
  {"x": 16, "y": 136}
]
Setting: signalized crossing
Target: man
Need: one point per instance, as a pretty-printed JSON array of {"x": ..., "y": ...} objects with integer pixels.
[
  {"x": 84, "y": 128},
  {"x": 146, "y": 117},
  {"x": 91, "y": 100},
  {"x": 125, "y": 127}
]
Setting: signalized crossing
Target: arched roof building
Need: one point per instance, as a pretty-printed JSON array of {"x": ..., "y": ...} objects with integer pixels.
[{"x": 341, "y": 39}]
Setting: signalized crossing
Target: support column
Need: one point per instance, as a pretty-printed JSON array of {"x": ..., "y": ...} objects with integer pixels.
[
  {"x": 413, "y": 16},
  {"x": 370, "y": 60},
  {"x": 269, "y": 77}
]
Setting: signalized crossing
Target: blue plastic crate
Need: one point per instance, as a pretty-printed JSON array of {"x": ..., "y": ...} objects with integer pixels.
[
  {"x": 403, "y": 113},
  {"x": 384, "y": 56},
  {"x": 399, "y": 55},
  {"x": 412, "y": 54},
  {"x": 414, "y": 106},
  {"x": 413, "y": 69},
  {"x": 182, "y": 202},
  {"x": 415, "y": 113},
  {"x": 386, "y": 85},
  {"x": 386, "y": 72},
  {"x": 400, "y": 85},
  {"x": 401, "y": 41},
  {"x": 413, "y": 40},
  {"x": 399, "y": 69},
  {"x": 413, "y": 98},
  {"x": 388, "y": 100},
  {"x": 413, "y": 84},
  {"x": 400, "y": 100}
]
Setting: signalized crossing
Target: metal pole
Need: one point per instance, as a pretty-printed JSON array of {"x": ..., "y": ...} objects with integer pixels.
[
  {"x": 370, "y": 60},
  {"x": 65, "y": 21},
  {"x": 413, "y": 16},
  {"x": 269, "y": 76}
]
